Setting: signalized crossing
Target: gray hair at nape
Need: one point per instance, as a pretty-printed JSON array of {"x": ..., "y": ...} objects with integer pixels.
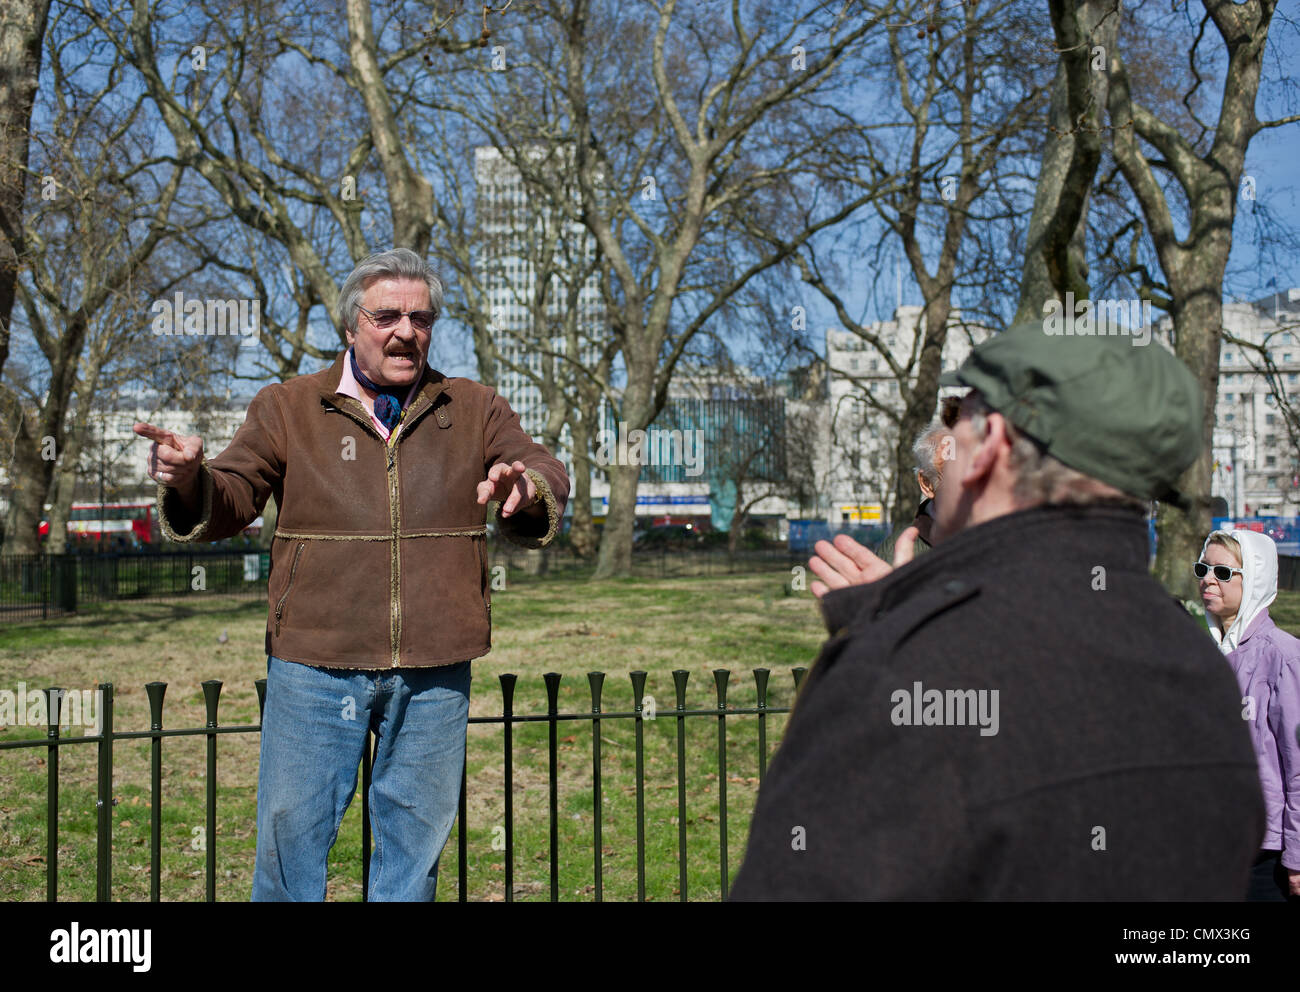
[
  {"x": 925, "y": 450},
  {"x": 1041, "y": 478},
  {"x": 396, "y": 263}
]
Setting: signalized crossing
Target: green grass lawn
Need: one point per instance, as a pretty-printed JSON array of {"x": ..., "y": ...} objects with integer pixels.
[{"x": 697, "y": 624}]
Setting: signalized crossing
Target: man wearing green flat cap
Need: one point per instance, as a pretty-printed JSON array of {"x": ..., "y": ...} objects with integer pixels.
[{"x": 1023, "y": 713}]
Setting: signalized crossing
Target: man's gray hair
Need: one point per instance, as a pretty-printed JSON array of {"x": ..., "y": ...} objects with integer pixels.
[
  {"x": 396, "y": 263},
  {"x": 1042, "y": 478},
  {"x": 925, "y": 449}
]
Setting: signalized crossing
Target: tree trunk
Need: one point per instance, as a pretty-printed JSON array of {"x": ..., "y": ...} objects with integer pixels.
[
  {"x": 615, "y": 558},
  {"x": 1035, "y": 285},
  {"x": 22, "y": 29},
  {"x": 919, "y": 409},
  {"x": 1194, "y": 264},
  {"x": 739, "y": 517},
  {"x": 1080, "y": 91},
  {"x": 31, "y": 475},
  {"x": 63, "y": 491},
  {"x": 1198, "y": 323},
  {"x": 582, "y": 530}
]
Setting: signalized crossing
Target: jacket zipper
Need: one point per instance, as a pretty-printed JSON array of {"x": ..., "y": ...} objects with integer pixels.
[
  {"x": 395, "y": 599},
  {"x": 279, "y": 607},
  {"x": 395, "y": 621}
]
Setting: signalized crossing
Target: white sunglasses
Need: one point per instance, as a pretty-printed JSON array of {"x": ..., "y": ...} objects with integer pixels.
[{"x": 1223, "y": 573}]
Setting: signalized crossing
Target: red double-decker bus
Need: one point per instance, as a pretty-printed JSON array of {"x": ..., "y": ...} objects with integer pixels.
[{"x": 95, "y": 523}]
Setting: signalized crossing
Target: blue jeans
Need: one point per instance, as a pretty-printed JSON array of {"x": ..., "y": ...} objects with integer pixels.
[{"x": 313, "y": 735}]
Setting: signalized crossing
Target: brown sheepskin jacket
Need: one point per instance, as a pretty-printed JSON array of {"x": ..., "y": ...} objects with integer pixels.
[{"x": 378, "y": 559}]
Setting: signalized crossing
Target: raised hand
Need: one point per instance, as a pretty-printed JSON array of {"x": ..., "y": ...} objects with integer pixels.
[
  {"x": 173, "y": 460},
  {"x": 509, "y": 485},
  {"x": 848, "y": 563}
]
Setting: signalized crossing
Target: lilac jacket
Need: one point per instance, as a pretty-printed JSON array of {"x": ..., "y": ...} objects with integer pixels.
[{"x": 1266, "y": 662}]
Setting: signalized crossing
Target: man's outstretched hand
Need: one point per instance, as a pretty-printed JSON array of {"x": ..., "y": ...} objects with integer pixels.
[
  {"x": 848, "y": 563},
  {"x": 510, "y": 486},
  {"x": 173, "y": 460}
]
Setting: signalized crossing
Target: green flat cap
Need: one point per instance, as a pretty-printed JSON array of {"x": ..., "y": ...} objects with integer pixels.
[{"x": 1129, "y": 415}]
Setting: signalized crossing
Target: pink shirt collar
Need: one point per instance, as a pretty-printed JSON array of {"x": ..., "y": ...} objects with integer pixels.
[{"x": 349, "y": 386}]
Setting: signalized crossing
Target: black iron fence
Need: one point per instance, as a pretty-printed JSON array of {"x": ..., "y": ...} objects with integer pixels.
[
  {"x": 108, "y": 736},
  {"x": 1288, "y": 572},
  {"x": 38, "y": 587}
]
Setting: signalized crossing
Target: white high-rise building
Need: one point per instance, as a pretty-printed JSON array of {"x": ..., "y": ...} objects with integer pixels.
[
  {"x": 1256, "y": 466},
  {"x": 861, "y": 438},
  {"x": 521, "y": 241}
]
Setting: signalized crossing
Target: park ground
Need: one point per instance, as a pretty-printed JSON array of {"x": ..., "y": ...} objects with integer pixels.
[
  {"x": 655, "y": 625},
  {"x": 697, "y": 624}
]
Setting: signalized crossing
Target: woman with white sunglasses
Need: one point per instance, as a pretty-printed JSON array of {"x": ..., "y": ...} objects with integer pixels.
[{"x": 1238, "y": 576}]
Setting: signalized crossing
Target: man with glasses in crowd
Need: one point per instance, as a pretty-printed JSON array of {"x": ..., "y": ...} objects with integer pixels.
[
  {"x": 1024, "y": 712},
  {"x": 381, "y": 469},
  {"x": 842, "y": 560}
]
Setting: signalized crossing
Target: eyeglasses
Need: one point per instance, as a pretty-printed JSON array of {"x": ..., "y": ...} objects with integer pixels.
[
  {"x": 1221, "y": 572},
  {"x": 421, "y": 320}
]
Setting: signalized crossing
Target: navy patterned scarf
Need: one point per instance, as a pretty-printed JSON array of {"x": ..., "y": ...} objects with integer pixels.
[{"x": 388, "y": 404}]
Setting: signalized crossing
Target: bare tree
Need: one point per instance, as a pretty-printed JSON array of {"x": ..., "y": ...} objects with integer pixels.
[
  {"x": 669, "y": 123},
  {"x": 92, "y": 233},
  {"x": 1055, "y": 255},
  {"x": 934, "y": 156},
  {"x": 290, "y": 128},
  {"x": 1204, "y": 171}
]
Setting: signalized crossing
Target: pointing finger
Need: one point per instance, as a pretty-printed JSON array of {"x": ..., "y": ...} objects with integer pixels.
[{"x": 158, "y": 435}]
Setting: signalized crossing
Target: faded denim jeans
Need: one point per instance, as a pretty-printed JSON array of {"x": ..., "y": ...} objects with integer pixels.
[{"x": 313, "y": 734}]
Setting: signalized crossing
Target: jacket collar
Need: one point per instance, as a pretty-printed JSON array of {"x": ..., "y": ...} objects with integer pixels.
[
  {"x": 1261, "y": 623},
  {"x": 432, "y": 385},
  {"x": 1077, "y": 537}
]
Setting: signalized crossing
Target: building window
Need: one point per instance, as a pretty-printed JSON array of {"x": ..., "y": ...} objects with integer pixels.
[
  {"x": 1227, "y": 358},
  {"x": 1270, "y": 419},
  {"x": 1286, "y": 357},
  {"x": 1270, "y": 460},
  {"x": 1230, "y": 417}
]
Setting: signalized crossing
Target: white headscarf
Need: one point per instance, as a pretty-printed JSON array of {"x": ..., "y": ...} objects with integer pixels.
[{"x": 1258, "y": 584}]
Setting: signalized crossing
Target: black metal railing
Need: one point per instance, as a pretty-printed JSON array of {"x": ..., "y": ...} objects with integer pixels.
[
  {"x": 1288, "y": 572},
  {"x": 38, "y": 587},
  {"x": 108, "y": 736}
]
